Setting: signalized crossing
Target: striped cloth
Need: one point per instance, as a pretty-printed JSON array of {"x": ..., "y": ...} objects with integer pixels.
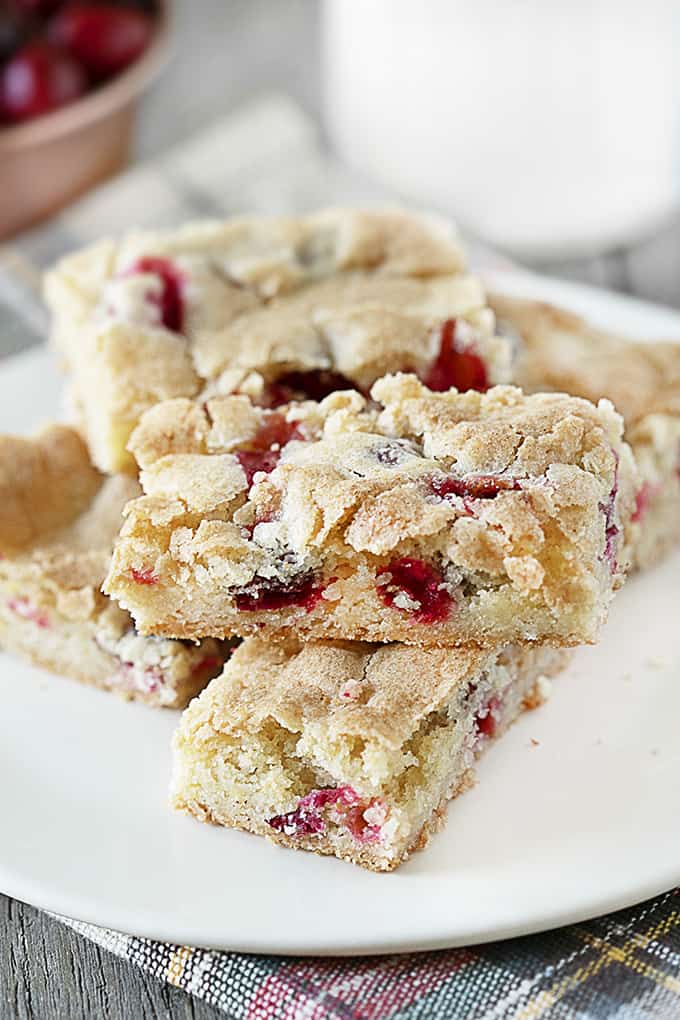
[{"x": 624, "y": 966}]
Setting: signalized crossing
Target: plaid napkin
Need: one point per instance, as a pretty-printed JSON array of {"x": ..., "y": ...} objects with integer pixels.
[
  {"x": 268, "y": 158},
  {"x": 625, "y": 966}
]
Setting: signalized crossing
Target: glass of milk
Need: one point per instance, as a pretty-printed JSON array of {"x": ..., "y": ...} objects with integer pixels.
[{"x": 547, "y": 127}]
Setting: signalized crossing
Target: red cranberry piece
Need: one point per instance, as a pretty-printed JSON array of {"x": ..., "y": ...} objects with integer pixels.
[
  {"x": 473, "y": 487},
  {"x": 102, "y": 37},
  {"x": 38, "y": 79},
  {"x": 455, "y": 366},
  {"x": 307, "y": 818},
  {"x": 486, "y": 722},
  {"x": 171, "y": 299},
  {"x": 303, "y": 821},
  {"x": 264, "y": 449},
  {"x": 272, "y": 595},
  {"x": 313, "y": 385},
  {"x": 144, "y": 576},
  {"x": 332, "y": 795},
  {"x": 253, "y": 461},
  {"x": 421, "y": 583}
]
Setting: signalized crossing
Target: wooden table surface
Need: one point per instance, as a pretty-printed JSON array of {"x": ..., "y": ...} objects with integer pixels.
[{"x": 241, "y": 47}]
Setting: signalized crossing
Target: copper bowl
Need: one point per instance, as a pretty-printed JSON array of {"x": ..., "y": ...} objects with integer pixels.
[{"x": 45, "y": 163}]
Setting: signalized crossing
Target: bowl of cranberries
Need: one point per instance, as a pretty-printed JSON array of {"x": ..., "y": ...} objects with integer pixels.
[{"x": 71, "y": 73}]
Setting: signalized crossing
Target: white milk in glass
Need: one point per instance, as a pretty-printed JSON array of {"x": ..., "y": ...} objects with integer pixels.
[{"x": 547, "y": 127}]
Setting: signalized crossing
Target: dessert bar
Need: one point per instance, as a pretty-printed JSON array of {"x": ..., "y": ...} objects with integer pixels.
[
  {"x": 348, "y": 749},
  {"x": 58, "y": 521},
  {"x": 427, "y": 518},
  {"x": 279, "y": 309},
  {"x": 559, "y": 351}
]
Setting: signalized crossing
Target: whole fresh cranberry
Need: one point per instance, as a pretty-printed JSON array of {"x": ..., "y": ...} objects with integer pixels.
[
  {"x": 103, "y": 37},
  {"x": 37, "y": 79}
]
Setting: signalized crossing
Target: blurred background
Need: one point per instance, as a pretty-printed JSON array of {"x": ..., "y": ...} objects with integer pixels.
[{"x": 548, "y": 131}]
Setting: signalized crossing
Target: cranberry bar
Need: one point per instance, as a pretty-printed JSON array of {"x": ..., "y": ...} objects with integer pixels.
[
  {"x": 348, "y": 749},
  {"x": 427, "y": 518},
  {"x": 279, "y": 309},
  {"x": 58, "y": 521},
  {"x": 559, "y": 351}
]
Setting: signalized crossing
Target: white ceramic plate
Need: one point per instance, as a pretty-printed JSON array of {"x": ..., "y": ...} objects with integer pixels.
[{"x": 575, "y": 813}]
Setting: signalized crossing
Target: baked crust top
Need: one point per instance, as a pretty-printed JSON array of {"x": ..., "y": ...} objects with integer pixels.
[
  {"x": 353, "y": 690},
  {"x": 343, "y": 295},
  {"x": 561, "y": 351},
  {"x": 59, "y": 516},
  {"x": 499, "y": 431}
]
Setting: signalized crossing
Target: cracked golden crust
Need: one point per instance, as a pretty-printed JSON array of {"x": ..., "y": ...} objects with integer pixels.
[
  {"x": 499, "y": 431},
  {"x": 274, "y": 254},
  {"x": 59, "y": 518},
  {"x": 350, "y": 292},
  {"x": 44, "y": 484},
  {"x": 354, "y": 690},
  {"x": 358, "y": 324},
  {"x": 560, "y": 351},
  {"x": 357, "y": 491},
  {"x": 351, "y": 689}
]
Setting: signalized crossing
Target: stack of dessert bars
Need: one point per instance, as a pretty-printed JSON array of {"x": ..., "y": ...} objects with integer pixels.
[{"x": 300, "y": 434}]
